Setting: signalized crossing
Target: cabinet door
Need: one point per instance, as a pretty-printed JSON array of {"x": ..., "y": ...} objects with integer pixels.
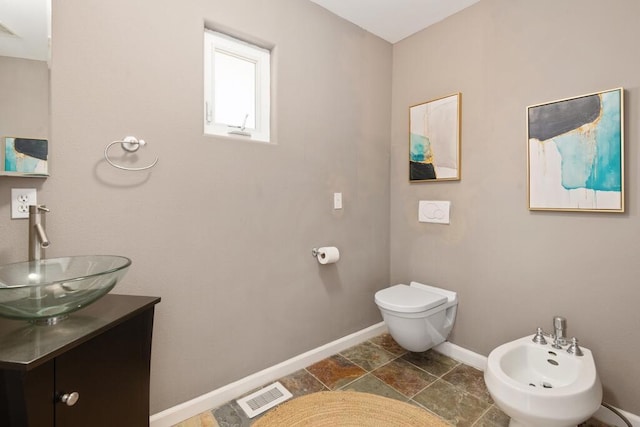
[
  {"x": 26, "y": 397},
  {"x": 111, "y": 375}
]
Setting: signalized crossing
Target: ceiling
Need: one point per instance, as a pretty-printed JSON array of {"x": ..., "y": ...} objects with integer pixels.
[
  {"x": 28, "y": 26},
  {"x": 394, "y": 20}
]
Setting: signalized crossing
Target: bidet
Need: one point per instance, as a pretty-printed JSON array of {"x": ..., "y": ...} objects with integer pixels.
[{"x": 539, "y": 385}]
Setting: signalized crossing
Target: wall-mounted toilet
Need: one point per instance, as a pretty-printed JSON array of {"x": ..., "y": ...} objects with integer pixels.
[{"x": 418, "y": 316}]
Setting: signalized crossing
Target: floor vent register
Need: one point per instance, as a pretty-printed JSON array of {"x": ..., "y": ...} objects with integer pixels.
[{"x": 264, "y": 399}]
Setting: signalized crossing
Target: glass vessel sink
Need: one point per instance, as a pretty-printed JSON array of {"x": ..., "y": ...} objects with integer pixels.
[{"x": 47, "y": 290}]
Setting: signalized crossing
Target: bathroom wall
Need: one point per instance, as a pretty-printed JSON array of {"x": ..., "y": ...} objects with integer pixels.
[
  {"x": 221, "y": 229},
  {"x": 24, "y": 103},
  {"x": 513, "y": 268}
]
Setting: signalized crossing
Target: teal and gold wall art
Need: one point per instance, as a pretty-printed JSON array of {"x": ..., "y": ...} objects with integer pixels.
[
  {"x": 26, "y": 155},
  {"x": 434, "y": 140},
  {"x": 576, "y": 153}
]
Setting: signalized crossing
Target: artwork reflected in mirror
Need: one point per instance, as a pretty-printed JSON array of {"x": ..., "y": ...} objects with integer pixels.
[
  {"x": 24, "y": 77},
  {"x": 434, "y": 140},
  {"x": 26, "y": 155}
]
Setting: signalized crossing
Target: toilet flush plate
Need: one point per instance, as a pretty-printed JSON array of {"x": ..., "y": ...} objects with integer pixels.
[{"x": 436, "y": 211}]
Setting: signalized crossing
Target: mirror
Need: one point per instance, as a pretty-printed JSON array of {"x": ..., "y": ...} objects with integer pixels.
[{"x": 25, "y": 37}]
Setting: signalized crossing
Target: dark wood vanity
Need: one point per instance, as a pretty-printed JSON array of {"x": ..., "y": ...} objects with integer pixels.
[{"x": 91, "y": 369}]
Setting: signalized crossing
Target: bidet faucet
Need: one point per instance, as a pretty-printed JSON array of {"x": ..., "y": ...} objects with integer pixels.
[
  {"x": 559, "y": 331},
  {"x": 574, "y": 348},
  {"x": 539, "y": 337},
  {"x": 38, "y": 239}
]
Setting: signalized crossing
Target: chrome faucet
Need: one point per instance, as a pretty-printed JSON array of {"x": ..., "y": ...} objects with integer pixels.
[
  {"x": 539, "y": 337},
  {"x": 559, "y": 332},
  {"x": 559, "y": 337},
  {"x": 38, "y": 239}
]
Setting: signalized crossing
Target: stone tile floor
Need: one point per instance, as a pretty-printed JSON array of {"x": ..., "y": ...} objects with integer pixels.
[{"x": 453, "y": 391}]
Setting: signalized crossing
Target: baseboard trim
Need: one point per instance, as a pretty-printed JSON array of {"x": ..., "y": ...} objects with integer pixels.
[
  {"x": 463, "y": 355},
  {"x": 215, "y": 398},
  {"x": 183, "y": 411}
]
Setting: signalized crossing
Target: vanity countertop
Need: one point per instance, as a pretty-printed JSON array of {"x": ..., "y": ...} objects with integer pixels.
[{"x": 24, "y": 346}]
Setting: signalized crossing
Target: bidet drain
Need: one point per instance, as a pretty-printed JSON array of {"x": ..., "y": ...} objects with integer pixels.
[{"x": 544, "y": 384}]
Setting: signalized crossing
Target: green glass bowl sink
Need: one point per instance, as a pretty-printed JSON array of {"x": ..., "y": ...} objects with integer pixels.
[{"x": 47, "y": 290}]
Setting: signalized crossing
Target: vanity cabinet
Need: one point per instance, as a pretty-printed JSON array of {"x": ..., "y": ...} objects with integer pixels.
[{"x": 91, "y": 369}]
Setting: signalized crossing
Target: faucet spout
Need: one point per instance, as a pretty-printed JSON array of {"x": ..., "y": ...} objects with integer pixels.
[
  {"x": 38, "y": 239},
  {"x": 42, "y": 236},
  {"x": 559, "y": 331}
]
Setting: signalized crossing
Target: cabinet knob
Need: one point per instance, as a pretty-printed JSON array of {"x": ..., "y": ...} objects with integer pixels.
[{"x": 70, "y": 399}]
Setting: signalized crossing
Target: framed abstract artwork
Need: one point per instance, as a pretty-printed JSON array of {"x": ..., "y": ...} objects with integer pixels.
[
  {"x": 576, "y": 153},
  {"x": 26, "y": 155},
  {"x": 434, "y": 140}
]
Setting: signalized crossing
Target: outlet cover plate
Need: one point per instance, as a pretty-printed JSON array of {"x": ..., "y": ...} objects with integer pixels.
[{"x": 21, "y": 198}]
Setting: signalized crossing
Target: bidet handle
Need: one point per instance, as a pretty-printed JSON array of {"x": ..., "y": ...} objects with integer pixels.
[
  {"x": 538, "y": 338},
  {"x": 574, "y": 348}
]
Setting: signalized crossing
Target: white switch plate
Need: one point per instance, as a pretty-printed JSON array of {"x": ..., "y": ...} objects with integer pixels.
[
  {"x": 434, "y": 211},
  {"x": 337, "y": 200},
  {"x": 21, "y": 198}
]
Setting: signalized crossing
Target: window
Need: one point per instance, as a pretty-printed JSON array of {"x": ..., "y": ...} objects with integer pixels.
[{"x": 237, "y": 87}]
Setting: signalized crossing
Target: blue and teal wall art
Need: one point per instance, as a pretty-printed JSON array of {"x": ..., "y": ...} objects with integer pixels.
[
  {"x": 576, "y": 153},
  {"x": 26, "y": 155},
  {"x": 434, "y": 140}
]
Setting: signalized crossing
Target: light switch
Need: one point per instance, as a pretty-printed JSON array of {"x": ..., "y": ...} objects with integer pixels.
[
  {"x": 337, "y": 200},
  {"x": 434, "y": 211}
]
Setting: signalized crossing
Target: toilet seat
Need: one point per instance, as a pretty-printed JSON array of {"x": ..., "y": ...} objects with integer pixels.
[{"x": 407, "y": 299}]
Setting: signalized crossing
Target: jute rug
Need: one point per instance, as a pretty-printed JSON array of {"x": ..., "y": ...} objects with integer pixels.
[{"x": 347, "y": 409}]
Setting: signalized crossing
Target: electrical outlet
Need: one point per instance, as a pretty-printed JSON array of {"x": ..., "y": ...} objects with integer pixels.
[{"x": 21, "y": 198}]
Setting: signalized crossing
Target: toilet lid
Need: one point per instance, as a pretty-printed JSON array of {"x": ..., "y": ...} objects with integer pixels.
[{"x": 408, "y": 299}]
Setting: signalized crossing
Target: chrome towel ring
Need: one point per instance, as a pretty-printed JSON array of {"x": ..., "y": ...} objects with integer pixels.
[{"x": 130, "y": 144}]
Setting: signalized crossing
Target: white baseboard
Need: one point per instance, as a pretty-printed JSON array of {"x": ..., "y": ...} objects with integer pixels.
[
  {"x": 215, "y": 398},
  {"x": 463, "y": 355}
]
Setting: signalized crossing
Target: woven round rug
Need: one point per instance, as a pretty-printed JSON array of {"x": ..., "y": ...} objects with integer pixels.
[{"x": 347, "y": 409}]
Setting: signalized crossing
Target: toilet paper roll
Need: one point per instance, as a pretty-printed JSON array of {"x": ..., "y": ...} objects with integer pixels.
[{"x": 328, "y": 255}]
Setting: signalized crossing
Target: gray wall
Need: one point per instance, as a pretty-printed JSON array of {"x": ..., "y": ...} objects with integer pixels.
[
  {"x": 221, "y": 229},
  {"x": 24, "y": 99},
  {"x": 514, "y": 269}
]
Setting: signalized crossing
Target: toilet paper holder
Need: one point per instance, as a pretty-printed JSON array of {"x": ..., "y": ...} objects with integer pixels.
[
  {"x": 326, "y": 255},
  {"x": 315, "y": 252}
]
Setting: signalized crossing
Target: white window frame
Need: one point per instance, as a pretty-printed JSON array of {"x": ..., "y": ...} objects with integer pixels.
[{"x": 216, "y": 41}]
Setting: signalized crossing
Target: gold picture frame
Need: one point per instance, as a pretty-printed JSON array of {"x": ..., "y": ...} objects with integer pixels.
[{"x": 575, "y": 153}]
